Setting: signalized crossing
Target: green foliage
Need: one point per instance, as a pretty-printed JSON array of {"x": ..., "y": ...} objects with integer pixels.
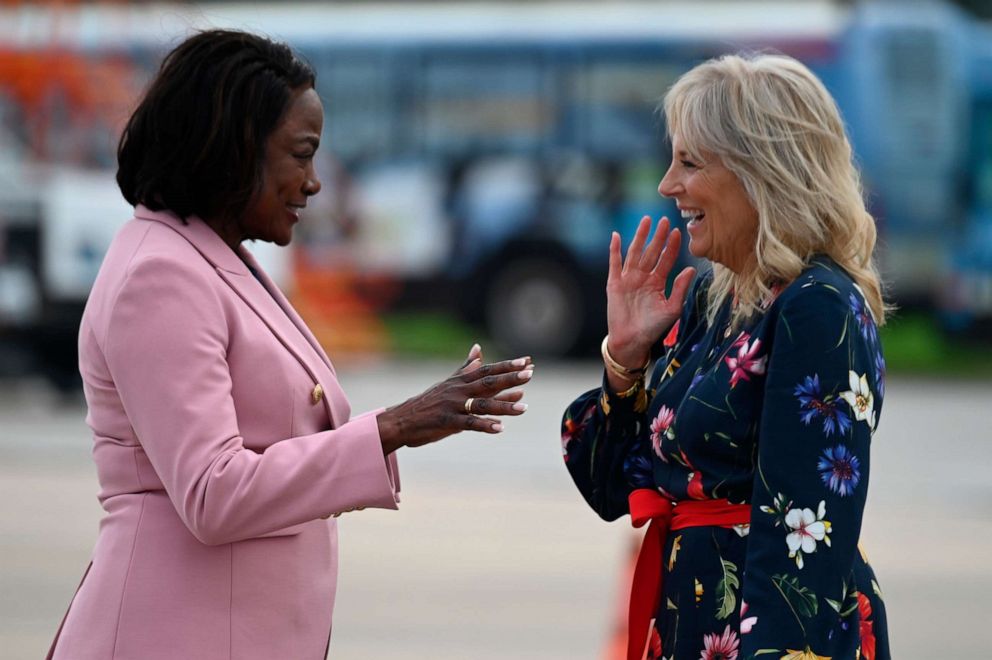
[
  {"x": 801, "y": 599},
  {"x": 433, "y": 335},
  {"x": 725, "y": 596},
  {"x": 914, "y": 344},
  {"x": 912, "y": 341},
  {"x": 847, "y": 604}
]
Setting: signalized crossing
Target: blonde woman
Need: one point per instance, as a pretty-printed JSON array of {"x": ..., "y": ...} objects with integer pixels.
[{"x": 748, "y": 449}]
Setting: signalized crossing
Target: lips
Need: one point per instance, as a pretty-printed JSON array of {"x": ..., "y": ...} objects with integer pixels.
[
  {"x": 294, "y": 212},
  {"x": 692, "y": 217}
]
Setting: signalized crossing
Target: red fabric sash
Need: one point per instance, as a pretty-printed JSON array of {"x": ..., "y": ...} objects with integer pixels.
[{"x": 645, "y": 591}]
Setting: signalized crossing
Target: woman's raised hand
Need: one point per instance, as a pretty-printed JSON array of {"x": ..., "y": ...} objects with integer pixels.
[
  {"x": 467, "y": 401},
  {"x": 637, "y": 309}
]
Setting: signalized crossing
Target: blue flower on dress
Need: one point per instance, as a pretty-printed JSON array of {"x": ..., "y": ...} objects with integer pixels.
[
  {"x": 864, "y": 318},
  {"x": 840, "y": 470},
  {"x": 880, "y": 374},
  {"x": 638, "y": 469},
  {"x": 813, "y": 404}
]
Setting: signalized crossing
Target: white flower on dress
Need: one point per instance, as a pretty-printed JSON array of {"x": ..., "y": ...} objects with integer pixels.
[
  {"x": 807, "y": 528},
  {"x": 742, "y": 530},
  {"x": 860, "y": 398}
]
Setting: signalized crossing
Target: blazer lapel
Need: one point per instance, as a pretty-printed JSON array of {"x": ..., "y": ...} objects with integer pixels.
[
  {"x": 286, "y": 307},
  {"x": 271, "y": 306},
  {"x": 275, "y": 310}
]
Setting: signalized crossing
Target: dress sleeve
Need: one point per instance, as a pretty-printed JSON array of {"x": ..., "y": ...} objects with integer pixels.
[
  {"x": 601, "y": 444},
  {"x": 820, "y": 408},
  {"x": 604, "y": 434}
]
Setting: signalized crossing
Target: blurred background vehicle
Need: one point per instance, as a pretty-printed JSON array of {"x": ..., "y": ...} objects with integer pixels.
[
  {"x": 486, "y": 149},
  {"x": 477, "y": 156}
]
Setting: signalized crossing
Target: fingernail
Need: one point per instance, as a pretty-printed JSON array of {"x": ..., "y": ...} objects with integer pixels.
[
  {"x": 519, "y": 362},
  {"x": 520, "y": 407},
  {"x": 497, "y": 427},
  {"x": 526, "y": 374}
]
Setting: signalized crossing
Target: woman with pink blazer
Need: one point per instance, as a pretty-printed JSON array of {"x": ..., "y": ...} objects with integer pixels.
[{"x": 224, "y": 446}]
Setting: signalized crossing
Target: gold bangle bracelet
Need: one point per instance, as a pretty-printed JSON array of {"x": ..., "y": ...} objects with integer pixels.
[
  {"x": 619, "y": 369},
  {"x": 630, "y": 391}
]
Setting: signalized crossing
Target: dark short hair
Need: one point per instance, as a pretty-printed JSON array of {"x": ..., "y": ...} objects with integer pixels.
[{"x": 195, "y": 143}]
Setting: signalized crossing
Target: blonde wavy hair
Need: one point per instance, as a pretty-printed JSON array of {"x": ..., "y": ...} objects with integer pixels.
[{"x": 773, "y": 124}]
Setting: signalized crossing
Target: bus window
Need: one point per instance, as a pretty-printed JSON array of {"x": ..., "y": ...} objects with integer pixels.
[
  {"x": 484, "y": 103},
  {"x": 966, "y": 301},
  {"x": 981, "y": 164},
  {"x": 613, "y": 104},
  {"x": 912, "y": 69},
  {"x": 358, "y": 94}
]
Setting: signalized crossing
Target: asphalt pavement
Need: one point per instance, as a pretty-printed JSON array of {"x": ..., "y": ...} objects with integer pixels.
[{"x": 493, "y": 554}]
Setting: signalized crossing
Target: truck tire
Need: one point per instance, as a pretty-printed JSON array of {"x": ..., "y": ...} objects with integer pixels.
[{"x": 535, "y": 306}]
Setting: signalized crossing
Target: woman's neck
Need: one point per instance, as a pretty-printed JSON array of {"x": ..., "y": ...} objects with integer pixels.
[{"x": 228, "y": 231}]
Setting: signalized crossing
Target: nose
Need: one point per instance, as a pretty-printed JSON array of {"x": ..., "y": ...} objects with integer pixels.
[
  {"x": 311, "y": 185},
  {"x": 670, "y": 185}
]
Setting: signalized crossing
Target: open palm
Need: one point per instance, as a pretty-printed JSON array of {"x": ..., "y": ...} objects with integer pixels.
[{"x": 637, "y": 309}]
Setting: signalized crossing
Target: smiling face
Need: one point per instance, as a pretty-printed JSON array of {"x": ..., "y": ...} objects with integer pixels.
[
  {"x": 288, "y": 177},
  {"x": 721, "y": 221}
]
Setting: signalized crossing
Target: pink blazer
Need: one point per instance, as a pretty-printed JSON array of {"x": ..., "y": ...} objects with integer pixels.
[{"x": 224, "y": 450}]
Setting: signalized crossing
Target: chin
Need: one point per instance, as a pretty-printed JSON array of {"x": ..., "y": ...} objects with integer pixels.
[{"x": 283, "y": 236}]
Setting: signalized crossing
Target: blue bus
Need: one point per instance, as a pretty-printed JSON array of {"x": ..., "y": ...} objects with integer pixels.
[
  {"x": 965, "y": 300},
  {"x": 478, "y": 156}
]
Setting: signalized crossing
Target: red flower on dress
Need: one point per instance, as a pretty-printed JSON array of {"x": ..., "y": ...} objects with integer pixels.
[
  {"x": 573, "y": 429},
  {"x": 695, "y": 487},
  {"x": 654, "y": 645},
  {"x": 776, "y": 289},
  {"x": 867, "y": 628},
  {"x": 720, "y": 647},
  {"x": 672, "y": 337},
  {"x": 746, "y": 361}
]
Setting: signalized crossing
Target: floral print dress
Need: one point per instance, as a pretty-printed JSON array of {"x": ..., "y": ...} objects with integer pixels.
[{"x": 777, "y": 414}]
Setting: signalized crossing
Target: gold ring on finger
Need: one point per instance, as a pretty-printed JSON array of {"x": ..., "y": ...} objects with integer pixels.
[{"x": 468, "y": 405}]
